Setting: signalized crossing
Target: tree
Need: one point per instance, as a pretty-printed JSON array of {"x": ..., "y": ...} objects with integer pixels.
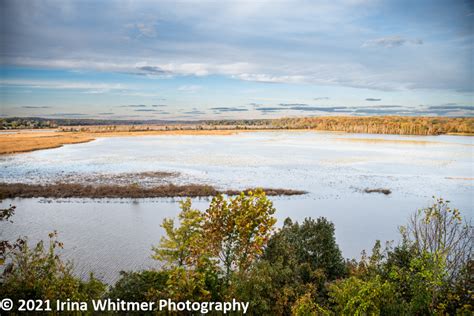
[
  {"x": 313, "y": 242},
  {"x": 204, "y": 251},
  {"x": 298, "y": 261},
  {"x": 354, "y": 296},
  {"x": 271, "y": 288},
  {"x": 5, "y": 245},
  {"x": 427, "y": 273},
  {"x": 438, "y": 274},
  {"x": 238, "y": 229},
  {"x": 305, "y": 306},
  {"x": 182, "y": 245},
  {"x": 441, "y": 231},
  {"x": 138, "y": 286},
  {"x": 185, "y": 252}
]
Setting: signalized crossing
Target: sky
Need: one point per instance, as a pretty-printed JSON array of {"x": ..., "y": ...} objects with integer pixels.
[{"x": 193, "y": 60}]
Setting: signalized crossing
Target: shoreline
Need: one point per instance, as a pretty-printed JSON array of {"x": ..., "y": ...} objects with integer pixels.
[{"x": 22, "y": 141}]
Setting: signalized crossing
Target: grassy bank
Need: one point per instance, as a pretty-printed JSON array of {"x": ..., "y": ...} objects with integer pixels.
[
  {"x": 26, "y": 141},
  {"x": 72, "y": 190},
  {"x": 30, "y": 141}
]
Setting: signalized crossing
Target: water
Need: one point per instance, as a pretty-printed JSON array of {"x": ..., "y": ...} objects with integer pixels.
[{"x": 110, "y": 235}]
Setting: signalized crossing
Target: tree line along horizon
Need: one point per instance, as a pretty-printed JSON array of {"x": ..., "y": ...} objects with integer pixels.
[
  {"x": 402, "y": 125},
  {"x": 233, "y": 250}
]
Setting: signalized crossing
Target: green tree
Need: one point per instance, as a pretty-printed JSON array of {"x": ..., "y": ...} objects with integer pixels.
[
  {"x": 239, "y": 228},
  {"x": 138, "y": 286},
  {"x": 312, "y": 243},
  {"x": 427, "y": 273},
  {"x": 182, "y": 245},
  {"x": 185, "y": 252},
  {"x": 354, "y": 296},
  {"x": 441, "y": 231},
  {"x": 305, "y": 306},
  {"x": 436, "y": 279},
  {"x": 299, "y": 260},
  {"x": 271, "y": 288}
]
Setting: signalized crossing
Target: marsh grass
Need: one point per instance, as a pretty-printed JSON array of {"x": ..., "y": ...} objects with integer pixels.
[
  {"x": 73, "y": 190},
  {"x": 379, "y": 190}
]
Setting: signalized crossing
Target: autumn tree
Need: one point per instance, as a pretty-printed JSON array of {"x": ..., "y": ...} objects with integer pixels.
[
  {"x": 238, "y": 229},
  {"x": 206, "y": 248},
  {"x": 182, "y": 245}
]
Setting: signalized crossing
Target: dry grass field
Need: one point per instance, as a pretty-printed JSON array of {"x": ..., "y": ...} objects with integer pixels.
[{"x": 25, "y": 141}]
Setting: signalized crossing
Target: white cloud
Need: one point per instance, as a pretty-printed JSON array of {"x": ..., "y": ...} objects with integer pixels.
[
  {"x": 150, "y": 68},
  {"x": 271, "y": 79},
  {"x": 189, "y": 88},
  {"x": 41, "y": 84}
]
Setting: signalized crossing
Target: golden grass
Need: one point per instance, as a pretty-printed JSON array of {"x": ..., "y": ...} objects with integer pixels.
[
  {"x": 27, "y": 140},
  {"x": 461, "y": 134}
]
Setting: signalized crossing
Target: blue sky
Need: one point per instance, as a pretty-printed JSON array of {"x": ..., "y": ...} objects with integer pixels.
[{"x": 235, "y": 59}]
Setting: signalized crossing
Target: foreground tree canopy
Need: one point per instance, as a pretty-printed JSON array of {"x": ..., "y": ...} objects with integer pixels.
[{"x": 232, "y": 250}]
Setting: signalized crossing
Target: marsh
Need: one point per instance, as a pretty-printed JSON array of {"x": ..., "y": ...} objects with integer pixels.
[{"x": 109, "y": 235}]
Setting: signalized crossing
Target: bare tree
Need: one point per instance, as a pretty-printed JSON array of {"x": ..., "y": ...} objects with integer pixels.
[{"x": 441, "y": 231}]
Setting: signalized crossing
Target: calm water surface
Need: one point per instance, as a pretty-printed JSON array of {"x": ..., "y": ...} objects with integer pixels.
[{"x": 110, "y": 235}]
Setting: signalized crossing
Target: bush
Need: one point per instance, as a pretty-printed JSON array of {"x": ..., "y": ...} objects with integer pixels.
[
  {"x": 39, "y": 273},
  {"x": 138, "y": 286}
]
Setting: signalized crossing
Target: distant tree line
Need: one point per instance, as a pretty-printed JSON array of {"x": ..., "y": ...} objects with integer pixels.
[
  {"x": 26, "y": 123},
  {"x": 39, "y": 122},
  {"x": 401, "y": 125},
  {"x": 232, "y": 250}
]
